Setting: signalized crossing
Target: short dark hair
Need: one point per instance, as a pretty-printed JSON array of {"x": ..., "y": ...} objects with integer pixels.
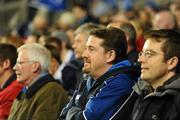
[
  {"x": 114, "y": 39},
  {"x": 171, "y": 43},
  {"x": 9, "y": 52},
  {"x": 54, "y": 41},
  {"x": 129, "y": 29},
  {"x": 54, "y": 52}
]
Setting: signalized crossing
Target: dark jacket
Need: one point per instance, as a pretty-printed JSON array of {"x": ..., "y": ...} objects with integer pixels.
[
  {"x": 133, "y": 55},
  {"x": 99, "y": 99},
  {"x": 41, "y": 101},
  {"x": 162, "y": 104},
  {"x": 71, "y": 81}
]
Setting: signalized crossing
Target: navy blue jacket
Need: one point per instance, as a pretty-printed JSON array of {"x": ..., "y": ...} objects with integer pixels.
[{"x": 100, "y": 99}]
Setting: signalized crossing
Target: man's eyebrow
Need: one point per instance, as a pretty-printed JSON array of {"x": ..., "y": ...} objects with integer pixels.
[{"x": 150, "y": 50}]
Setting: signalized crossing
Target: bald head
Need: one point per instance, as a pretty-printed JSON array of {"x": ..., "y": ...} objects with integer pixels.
[{"x": 164, "y": 20}]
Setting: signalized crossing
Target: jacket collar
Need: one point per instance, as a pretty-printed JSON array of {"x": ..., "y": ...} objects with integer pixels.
[
  {"x": 173, "y": 83},
  {"x": 37, "y": 85},
  {"x": 9, "y": 81},
  {"x": 124, "y": 63},
  {"x": 170, "y": 87},
  {"x": 119, "y": 68}
]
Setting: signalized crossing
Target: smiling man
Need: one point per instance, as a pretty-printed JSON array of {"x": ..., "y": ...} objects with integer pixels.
[
  {"x": 111, "y": 81},
  {"x": 160, "y": 67},
  {"x": 81, "y": 37},
  {"x": 79, "y": 45}
]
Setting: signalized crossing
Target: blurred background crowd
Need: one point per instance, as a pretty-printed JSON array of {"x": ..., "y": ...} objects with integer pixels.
[
  {"x": 22, "y": 17},
  {"x": 55, "y": 21}
]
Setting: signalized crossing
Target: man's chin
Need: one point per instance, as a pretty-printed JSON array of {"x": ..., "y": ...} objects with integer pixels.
[
  {"x": 78, "y": 56},
  {"x": 145, "y": 78},
  {"x": 20, "y": 81},
  {"x": 85, "y": 70}
]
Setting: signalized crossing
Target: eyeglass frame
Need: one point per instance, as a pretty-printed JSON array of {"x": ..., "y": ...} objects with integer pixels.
[
  {"x": 147, "y": 53},
  {"x": 19, "y": 63}
]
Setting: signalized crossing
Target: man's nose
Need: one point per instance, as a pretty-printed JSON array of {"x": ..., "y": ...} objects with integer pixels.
[
  {"x": 141, "y": 59},
  {"x": 84, "y": 54}
]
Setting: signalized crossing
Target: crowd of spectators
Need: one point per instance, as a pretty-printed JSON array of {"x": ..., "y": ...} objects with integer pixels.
[{"x": 66, "y": 28}]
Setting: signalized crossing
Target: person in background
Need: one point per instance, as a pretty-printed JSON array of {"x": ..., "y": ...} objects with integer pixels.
[
  {"x": 81, "y": 36},
  {"x": 66, "y": 52},
  {"x": 42, "y": 97},
  {"x": 79, "y": 45},
  {"x": 82, "y": 14},
  {"x": 175, "y": 9},
  {"x": 160, "y": 67},
  {"x": 164, "y": 20},
  {"x": 40, "y": 23},
  {"x": 9, "y": 87},
  {"x": 110, "y": 81},
  {"x": 32, "y": 38},
  {"x": 130, "y": 32},
  {"x": 58, "y": 69},
  {"x": 68, "y": 81},
  {"x": 66, "y": 20}
]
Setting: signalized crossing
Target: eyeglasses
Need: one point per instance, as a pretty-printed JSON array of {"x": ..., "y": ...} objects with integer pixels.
[
  {"x": 147, "y": 53},
  {"x": 19, "y": 63}
]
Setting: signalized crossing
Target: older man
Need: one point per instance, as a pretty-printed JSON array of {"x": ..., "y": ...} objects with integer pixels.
[{"x": 42, "y": 97}]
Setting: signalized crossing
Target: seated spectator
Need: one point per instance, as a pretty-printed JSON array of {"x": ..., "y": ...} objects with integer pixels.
[
  {"x": 160, "y": 68},
  {"x": 42, "y": 97},
  {"x": 111, "y": 81},
  {"x": 66, "y": 20},
  {"x": 79, "y": 45},
  {"x": 59, "y": 70},
  {"x": 81, "y": 37},
  {"x": 68, "y": 81},
  {"x": 66, "y": 52},
  {"x": 82, "y": 15},
  {"x": 164, "y": 20},
  {"x": 9, "y": 87},
  {"x": 130, "y": 32}
]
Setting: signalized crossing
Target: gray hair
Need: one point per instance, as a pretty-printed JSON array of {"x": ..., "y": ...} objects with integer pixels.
[
  {"x": 87, "y": 28},
  {"x": 38, "y": 53}
]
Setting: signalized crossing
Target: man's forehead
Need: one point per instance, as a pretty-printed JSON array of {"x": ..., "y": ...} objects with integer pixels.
[
  {"x": 151, "y": 44},
  {"x": 93, "y": 39},
  {"x": 22, "y": 54},
  {"x": 80, "y": 35},
  {"x": 94, "y": 42}
]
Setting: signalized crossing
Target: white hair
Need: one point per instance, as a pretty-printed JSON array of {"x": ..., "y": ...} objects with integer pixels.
[{"x": 38, "y": 53}]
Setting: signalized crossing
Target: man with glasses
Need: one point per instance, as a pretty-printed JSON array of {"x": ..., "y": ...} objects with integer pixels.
[
  {"x": 42, "y": 97},
  {"x": 160, "y": 68},
  {"x": 9, "y": 87}
]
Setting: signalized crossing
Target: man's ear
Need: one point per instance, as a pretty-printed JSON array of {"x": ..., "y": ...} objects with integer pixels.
[
  {"x": 111, "y": 55},
  {"x": 172, "y": 63},
  {"x": 6, "y": 64},
  {"x": 36, "y": 66}
]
